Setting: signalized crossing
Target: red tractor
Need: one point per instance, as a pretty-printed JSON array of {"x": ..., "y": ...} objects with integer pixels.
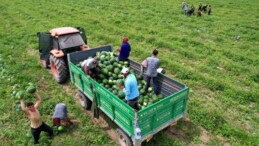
[{"x": 56, "y": 44}]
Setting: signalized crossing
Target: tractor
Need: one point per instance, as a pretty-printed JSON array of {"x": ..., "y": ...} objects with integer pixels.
[{"x": 56, "y": 44}]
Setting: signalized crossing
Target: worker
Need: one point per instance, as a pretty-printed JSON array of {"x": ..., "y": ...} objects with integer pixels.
[
  {"x": 90, "y": 67},
  {"x": 37, "y": 125},
  {"x": 130, "y": 88},
  {"x": 124, "y": 50},
  {"x": 61, "y": 114},
  {"x": 152, "y": 63}
]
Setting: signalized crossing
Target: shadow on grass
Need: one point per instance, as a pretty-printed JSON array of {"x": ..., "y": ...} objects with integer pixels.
[
  {"x": 185, "y": 131},
  {"x": 181, "y": 134}
]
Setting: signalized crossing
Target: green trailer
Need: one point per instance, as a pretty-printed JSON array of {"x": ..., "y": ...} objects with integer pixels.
[{"x": 150, "y": 120}]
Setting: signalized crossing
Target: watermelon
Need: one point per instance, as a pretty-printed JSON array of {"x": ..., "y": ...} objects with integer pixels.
[
  {"x": 61, "y": 128},
  {"x": 141, "y": 99},
  {"x": 107, "y": 86},
  {"x": 105, "y": 71},
  {"x": 31, "y": 89},
  {"x": 114, "y": 86},
  {"x": 101, "y": 76},
  {"x": 30, "y": 84},
  {"x": 116, "y": 70},
  {"x": 110, "y": 81},
  {"x": 18, "y": 107},
  {"x": 120, "y": 81},
  {"x": 98, "y": 54},
  {"x": 102, "y": 58},
  {"x": 150, "y": 89},
  {"x": 121, "y": 94},
  {"x": 115, "y": 76},
  {"x": 139, "y": 77},
  {"x": 109, "y": 67},
  {"x": 20, "y": 95},
  {"x": 160, "y": 96},
  {"x": 126, "y": 63},
  {"x": 142, "y": 91},
  {"x": 143, "y": 82},
  {"x": 105, "y": 81},
  {"x": 28, "y": 135},
  {"x": 155, "y": 99},
  {"x": 115, "y": 92}
]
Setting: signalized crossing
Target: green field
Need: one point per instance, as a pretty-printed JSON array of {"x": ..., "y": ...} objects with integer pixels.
[{"x": 216, "y": 56}]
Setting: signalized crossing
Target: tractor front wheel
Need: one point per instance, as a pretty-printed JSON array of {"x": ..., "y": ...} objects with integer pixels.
[{"x": 59, "y": 69}]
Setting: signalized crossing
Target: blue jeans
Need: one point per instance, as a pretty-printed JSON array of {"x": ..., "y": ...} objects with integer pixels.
[{"x": 155, "y": 83}]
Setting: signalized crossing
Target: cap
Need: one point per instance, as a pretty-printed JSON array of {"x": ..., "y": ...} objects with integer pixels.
[
  {"x": 124, "y": 70},
  {"x": 125, "y": 40}
]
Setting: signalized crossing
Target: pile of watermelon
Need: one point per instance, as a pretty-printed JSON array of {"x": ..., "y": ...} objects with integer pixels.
[
  {"x": 25, "y": 93},
  {"x": 111, "y": 78}
]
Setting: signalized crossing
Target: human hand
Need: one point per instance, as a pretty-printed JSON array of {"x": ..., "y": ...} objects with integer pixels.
[
  {"x": 36, "y": 94},
  {"x": 121, "y": 86}
]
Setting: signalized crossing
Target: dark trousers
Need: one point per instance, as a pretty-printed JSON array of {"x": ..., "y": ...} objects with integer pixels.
[
  {"x": 155, "y": 84},
  {"x": 133, "y": 103},
  {"x": 94, "y": 72},
  {"x": 36, "y": 132},
  {"x": 123, "y": 59}
]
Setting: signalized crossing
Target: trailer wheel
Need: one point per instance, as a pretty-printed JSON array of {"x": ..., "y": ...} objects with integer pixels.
[
  {"x": 123, "y": 138},
  {"x": 84, "y": 101},
  {"x": 59, "y": 69}
]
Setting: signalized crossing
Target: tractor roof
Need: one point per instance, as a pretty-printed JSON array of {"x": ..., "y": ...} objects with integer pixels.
[{"x": 63, "y": 30}]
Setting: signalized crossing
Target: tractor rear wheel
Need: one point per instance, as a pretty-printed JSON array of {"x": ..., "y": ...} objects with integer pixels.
[{"x": 59, "y": 69}]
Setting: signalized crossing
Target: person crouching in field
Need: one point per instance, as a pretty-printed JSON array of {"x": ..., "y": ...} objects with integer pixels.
[
  {"x": 190, "y": 11},
  {"x": 37, "y": 125},
  {"x": 199, "y": 13},
  {"x": 209, "y": 9},
  {"x": 60, "y": 114}
]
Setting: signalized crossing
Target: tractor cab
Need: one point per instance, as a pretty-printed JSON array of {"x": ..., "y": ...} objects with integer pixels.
[
  {"x": 67, "y": 39},
  {"x": 56, "y": 44}
]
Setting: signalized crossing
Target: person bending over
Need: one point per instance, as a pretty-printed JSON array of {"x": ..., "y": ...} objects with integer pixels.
[
  {"x": 90, "y": 67},
  {"x": 60, "y": 114}
]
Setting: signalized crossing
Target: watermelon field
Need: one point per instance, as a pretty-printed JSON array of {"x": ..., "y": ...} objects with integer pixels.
[{"x": 216, "y": 56}]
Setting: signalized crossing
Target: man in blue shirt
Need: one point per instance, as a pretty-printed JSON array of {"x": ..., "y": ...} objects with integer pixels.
[
  {"x": 124, "y": 51},
  {"x": 131, "y": 89}
]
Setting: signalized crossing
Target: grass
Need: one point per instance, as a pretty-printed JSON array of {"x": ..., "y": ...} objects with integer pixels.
[{"x": 216, "y": 56}]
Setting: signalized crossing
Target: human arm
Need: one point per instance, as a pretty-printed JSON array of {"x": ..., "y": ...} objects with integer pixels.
[
  {"x": 23, "y": 107},
  {"x": 119, "y": 49},
  {"x": 121, "y": 86},
  {"x": 86, "y": 69},
  {"x": 127, "y": 90},
  {"x": 144, "y": 63},
  {"x": 158, "y": 64},
  {"x": 38, "y": 100}
]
